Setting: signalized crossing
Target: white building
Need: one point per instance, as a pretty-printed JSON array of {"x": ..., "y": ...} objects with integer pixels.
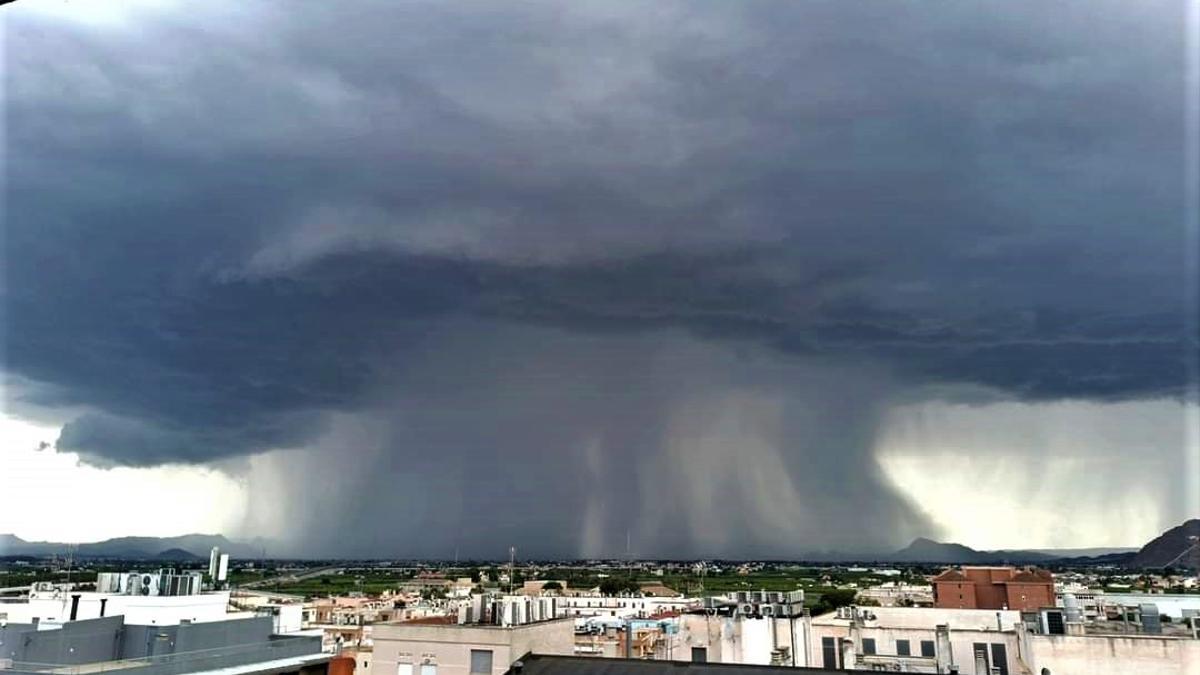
[
  {"x": 440, "y": 646},
  {"x": 749, "y": 640},
  {"x": 621, "y": 607},
  {"x": 1112, "y": 655},
  {"x": 1172, "y": 605},
  {"x": 918, "y": 639},
  {"x": 892, "y": 594},
  {"x": 50, "y": 605}
]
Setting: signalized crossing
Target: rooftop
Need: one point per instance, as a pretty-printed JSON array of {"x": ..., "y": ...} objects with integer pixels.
[
  {"x": 451, "y": 621},
  {"x": 927, "y": 618},
  {"x": 538, "y": 664}
]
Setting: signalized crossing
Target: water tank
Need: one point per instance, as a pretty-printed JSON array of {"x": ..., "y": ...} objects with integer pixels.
[{"x": 1071, "y": 608}]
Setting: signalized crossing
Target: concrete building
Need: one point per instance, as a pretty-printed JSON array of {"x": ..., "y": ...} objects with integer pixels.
[
  {"x": 918, "y": 639},
  {"x": 622, "y": 607},
  {"x": 746, "y": 627},
  {"x": 639, "y": 638},
  {"x": 892, "y": 594},
  {"x": 50, "y": 604},
  {"x": 993, "y": 588},
  {"x": 442, "y": 646},
  {"x": 1174, "y": 606},
  {"x": 706, "y": 637},
  {"x": 1092, "y": 654},
  {"x": 111, "y": 644}
]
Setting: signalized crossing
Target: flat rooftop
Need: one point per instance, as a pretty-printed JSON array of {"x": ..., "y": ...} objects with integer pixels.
[
  {"x": 927, "y": 618},
  {"x": 450, "y": 621},
  {"x": 537, "y": 664}
]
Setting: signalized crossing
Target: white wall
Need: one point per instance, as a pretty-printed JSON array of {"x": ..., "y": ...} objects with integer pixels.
[
  {"x": 1171, "y": 605},
  {"x": 961, "y": 643},
  {"x": 448, "y": 646},
  {"x": 743, "y": 640},
  {"x": 619, "y": 607},
  {"x": 1113, "y": 655},
  {"x": 137, "y": 609}
]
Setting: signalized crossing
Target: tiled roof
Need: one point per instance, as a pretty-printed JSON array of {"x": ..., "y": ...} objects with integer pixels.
[{"x": 951, "y": 575}]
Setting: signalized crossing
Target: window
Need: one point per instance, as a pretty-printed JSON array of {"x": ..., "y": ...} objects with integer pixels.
[
  {"x": 404, "y": 669},
  {"x": 981, "y": 657},
  {"x": 428, "y": 669},
  {"x": 868, "y": 645},
  {"x": 903, "y": 648},
  {"x": 1000, "y": 658},
  {"x": 927, "y": 648},
  {"x": 829, "y": 653},
  {"x": 699, "y": 654},
  {"x": 481, "y": 661}
]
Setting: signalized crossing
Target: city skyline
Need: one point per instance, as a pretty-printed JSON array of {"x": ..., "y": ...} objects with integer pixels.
[{"x": 700, "y": 279}]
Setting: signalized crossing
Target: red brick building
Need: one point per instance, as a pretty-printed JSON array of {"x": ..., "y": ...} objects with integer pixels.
[{"x": 994, "y": 588}]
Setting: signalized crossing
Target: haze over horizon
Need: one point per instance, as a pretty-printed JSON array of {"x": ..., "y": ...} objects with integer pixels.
[{"x": 717, "y": 279}]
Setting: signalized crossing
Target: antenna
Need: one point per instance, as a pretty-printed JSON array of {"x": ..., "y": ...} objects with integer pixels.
[
  {"x": 70, "y": 560},
  {"x": 512, "y": 556}
]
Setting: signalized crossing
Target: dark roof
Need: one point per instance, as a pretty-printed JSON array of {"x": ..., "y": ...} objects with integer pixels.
[{"x": 540, "y": 664}]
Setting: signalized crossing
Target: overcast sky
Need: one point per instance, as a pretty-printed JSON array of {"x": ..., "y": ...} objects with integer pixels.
[{"x": 710, "y": 278}]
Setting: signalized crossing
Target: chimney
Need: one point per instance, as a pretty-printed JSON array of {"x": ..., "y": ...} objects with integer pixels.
[{"x": 945, "y": 658}]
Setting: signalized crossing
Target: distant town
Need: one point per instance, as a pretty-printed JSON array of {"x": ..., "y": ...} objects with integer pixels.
[{"x": 177, "y": 610}]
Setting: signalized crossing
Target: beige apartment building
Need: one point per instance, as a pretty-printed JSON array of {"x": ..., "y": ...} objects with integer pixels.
[{"x": 441, "y": 646}]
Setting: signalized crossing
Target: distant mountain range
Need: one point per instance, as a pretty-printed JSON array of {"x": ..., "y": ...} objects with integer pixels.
[
  {"x": 1177, "y": 547},
  {"x": 923, "y": 550},
  {"x": 187, "y": 547}
]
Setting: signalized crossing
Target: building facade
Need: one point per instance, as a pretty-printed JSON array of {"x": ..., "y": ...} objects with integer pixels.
[
  {"x": 918, "y": 640},
  {"x": 111, "y": 644},
  {"x": 993, "y": 588},
  {"x": 441, "y": 646}
]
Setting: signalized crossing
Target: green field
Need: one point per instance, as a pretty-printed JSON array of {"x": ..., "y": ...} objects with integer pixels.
[{"x": 366, "y": 582}]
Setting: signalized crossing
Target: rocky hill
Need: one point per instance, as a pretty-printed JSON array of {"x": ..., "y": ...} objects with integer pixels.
[{"x": 1177, "y": 547}]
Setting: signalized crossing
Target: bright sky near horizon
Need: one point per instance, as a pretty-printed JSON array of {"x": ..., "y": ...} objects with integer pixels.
[{"x": 990, "y": 498}]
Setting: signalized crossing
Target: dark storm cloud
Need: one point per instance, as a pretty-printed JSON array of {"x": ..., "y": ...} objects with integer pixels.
[{"x": 227, "y": 224}]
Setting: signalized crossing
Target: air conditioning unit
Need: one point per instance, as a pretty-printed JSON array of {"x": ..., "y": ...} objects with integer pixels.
[{"x": 148, "y": 585}]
